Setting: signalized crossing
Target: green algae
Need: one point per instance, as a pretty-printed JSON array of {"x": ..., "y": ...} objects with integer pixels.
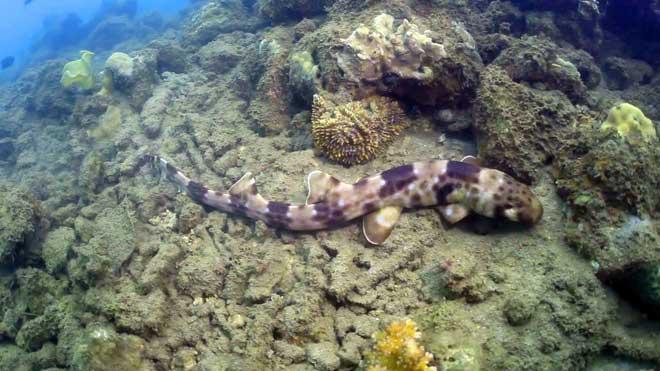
[
  {"x": 56, "y": 249},
  {"x": 110, "y": 242},
  {"x": 19, "y": 214},
  {"x": 105, "y": 350}
]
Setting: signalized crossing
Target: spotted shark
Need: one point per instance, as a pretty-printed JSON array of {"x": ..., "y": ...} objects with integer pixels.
[{"x": 456, "y": 188}]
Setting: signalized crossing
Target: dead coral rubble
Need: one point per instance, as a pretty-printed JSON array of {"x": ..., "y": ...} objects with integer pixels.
[{"x": 134, "y": 275}]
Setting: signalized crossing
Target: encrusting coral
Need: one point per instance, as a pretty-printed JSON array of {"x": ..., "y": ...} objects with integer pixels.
[
  {"x": 79, "y": 73},
  {"x": 629, "y": 121},
  {"x": 355, "y": 132},
  {"x": 396, "y": 349},
  {"x": 369, "y": 54},
  {"x": 117, "y": 66}
]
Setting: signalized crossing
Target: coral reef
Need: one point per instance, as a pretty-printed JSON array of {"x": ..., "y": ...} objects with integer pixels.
[
  {"x": 355, "y": 132},
  {"x": 218, "y": 17},
  {"x": 537, "y": 60},
  {"x": 611, "y": 186},
  {"x": 6, "y": 149},
  {"x": 109, "y": 242},
  {"x": 269, "y": 113},
  {"x": 116, "y": 269},
  {"x": 641, "y": 286},
  {"x": 404, "y": 61},
  {"x": 134, "y": 76},
  {"x": 79, "y": 73},
  {"x": 303, "y": 76},
  {"x": 630, "y": 122},
  {"x": 57, "y": 246},
  {"x": 510, "y": 117},
  {"x": 19, "y": 218},
  {"x": 120, "y": 68},
  {"x": 103, "y": 349},
  {"x": 396, "y": 348},
  {"x": 621, "y": 73},
  {"x": 282, "y": 10},
  {"x": 372, "y": 55},
  {"x": 114, "y": 29},
  {"x": 109, "y": 125},
  {"x": 47, "y": 98}
]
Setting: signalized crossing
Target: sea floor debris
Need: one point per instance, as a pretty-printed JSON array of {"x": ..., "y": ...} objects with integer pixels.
[{"x": 104, "y": 266}]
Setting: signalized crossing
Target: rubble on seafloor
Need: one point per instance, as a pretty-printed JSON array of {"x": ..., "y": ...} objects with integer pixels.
[{"x": 105, "y": 266}]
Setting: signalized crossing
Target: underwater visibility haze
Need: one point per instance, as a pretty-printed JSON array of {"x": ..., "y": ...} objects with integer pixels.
[{"x": 392, "y": 185}]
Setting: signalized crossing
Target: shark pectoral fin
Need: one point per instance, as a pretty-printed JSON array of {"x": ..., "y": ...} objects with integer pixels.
[
  {"x": 378, "y": 225},
  {"x": 244, "y": 186},
  {"x": 318, "y": 186},
  {"x": 471, "y": 160},
  {"x": 453, "y": 213}
]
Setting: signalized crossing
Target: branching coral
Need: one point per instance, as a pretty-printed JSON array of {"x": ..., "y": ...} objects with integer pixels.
[
  {"x": 355, "y": 132},
  {"x": 371, "y": 54},
  {"x": 396, "y": 349}
]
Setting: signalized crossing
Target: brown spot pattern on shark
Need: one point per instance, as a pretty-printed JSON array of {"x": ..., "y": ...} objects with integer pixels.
[{"x": 396, "y": 179}]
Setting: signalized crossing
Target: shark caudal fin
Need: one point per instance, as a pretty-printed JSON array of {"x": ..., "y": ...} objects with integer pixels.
[
  {"x": 377, "y": 226},
  {"x": 319, "y": 184},
  {"x": 244, "y": 187}
]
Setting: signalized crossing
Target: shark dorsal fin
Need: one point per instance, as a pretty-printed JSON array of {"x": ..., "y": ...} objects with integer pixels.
[
  {"x": 244, "y": 186},
  {"x": 318, "y": 186},
  {"x": 469, "y": 159},
  {"x": 377, "y": 226}
]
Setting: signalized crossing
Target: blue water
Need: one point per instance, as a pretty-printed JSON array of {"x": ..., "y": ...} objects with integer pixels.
[{"x": 21, "y": 26}]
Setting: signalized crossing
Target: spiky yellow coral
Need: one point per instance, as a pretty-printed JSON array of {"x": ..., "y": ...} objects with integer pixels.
[
  {"x": 396, "y": 349},
  {"x": 629, "y": 121},
  {"x": 355, "y": 132}
]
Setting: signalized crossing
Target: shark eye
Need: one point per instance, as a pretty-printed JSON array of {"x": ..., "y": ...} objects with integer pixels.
[{"x": 511, "y": 214}]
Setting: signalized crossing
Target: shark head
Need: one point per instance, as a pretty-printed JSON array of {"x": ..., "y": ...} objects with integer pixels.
[{"x": 516, "y": 202}]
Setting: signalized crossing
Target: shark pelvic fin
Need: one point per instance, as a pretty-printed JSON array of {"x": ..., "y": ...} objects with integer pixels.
[
  {"x": 453, "y": 213},
  {"x": 378, "y": 225},
  {"x": 244, "y": 186},
  {"x": 318, "y": 186}
]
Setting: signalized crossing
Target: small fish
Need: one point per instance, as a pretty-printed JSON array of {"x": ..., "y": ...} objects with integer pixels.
[
  {"x": 456, "y": 188},
  {"x": 7, "y": 62},
  {"x": 27, "y": 2}
]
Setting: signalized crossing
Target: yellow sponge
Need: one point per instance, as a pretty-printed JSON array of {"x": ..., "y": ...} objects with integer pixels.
[
  {"x": 79, "y": 73},
  {"x": 628, "y": 121}
]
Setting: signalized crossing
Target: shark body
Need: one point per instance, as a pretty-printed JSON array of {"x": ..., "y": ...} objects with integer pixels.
[{"x": 456, "y": 188}]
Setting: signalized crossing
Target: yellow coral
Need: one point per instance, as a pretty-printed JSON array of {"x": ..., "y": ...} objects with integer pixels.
[
  {"x": 79, "y": 72},
  {"x": 355, "y": 132},
  {"x": 396, "y": 349},
  {"x": 629, "y": 121}
]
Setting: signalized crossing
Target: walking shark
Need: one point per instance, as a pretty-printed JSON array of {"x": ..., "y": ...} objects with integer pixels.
[{"x": 456, "y": 188}]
